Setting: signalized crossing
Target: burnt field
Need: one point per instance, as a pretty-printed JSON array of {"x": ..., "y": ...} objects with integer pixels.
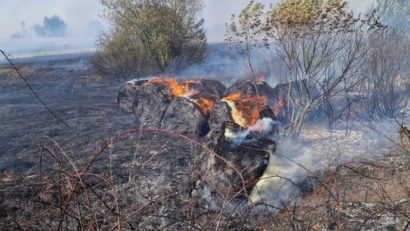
[
  {"x": 106, "y": 174},
  {"x": 73, "y": 92}
]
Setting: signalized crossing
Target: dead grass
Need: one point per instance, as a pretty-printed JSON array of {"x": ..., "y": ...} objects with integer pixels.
[
  {"x": 70, "y": 194},
  {"x": 110, "y": 190},
  {"x": 355, "y": 195}
]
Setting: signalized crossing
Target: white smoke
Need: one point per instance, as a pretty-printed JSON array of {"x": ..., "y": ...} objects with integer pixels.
[
  {"x": 236, "y": 138},
  {"x": 263, "y": 128},
  {"x": 319, "y": 149}
]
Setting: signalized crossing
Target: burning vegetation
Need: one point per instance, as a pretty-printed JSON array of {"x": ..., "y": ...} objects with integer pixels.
[
  {"x": 177, "y": 89},
  {"x": 245, "y": 110},
  {"x": 279, "y": 108},
  {"x": 203, "y": 156},
  {"x": 239, "y": 125},
  {"x": 179, "y": 106},
  {"x": 204, "y": 104}
]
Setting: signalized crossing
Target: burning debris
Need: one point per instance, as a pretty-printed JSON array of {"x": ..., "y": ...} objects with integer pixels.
[
  {"x": 175, "y": 88},
  {"x": 237, "y": 124},
  {"x": 243, "y": 131},
  {"x": 280, "y": 109},
  {"x": 168, "y": 104},
  {"x": 241, "y": 106},
  {"x": 275, "y": 97},
  {"x": 203, "y": 93},
  {"x": 245, "y": 111}
]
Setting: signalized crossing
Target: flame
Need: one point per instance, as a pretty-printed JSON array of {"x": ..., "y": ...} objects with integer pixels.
[
  {"x": 245, "y": 110},
  {"x": 279, "y": 107},
  {"x": 205, "y": 105},
  {"x": 191, "y": 81},
  {"x": 174, "y": 86},
  {"x": 183, "y": 89}
]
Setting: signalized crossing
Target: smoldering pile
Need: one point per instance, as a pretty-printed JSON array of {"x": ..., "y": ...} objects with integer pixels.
[
  {"x": 238, "y": 124},
  {"x": 170, "y": 105}
]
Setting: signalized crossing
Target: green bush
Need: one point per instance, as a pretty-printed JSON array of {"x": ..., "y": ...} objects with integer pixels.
[{"x": 150, "y": 36}]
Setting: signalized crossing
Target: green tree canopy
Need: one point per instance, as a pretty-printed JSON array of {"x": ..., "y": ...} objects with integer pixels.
[{"x": 169, "y": 32}]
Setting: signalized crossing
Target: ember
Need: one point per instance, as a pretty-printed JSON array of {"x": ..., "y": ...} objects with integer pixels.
[
  {"x": 174, "y": 86},
  {"x": 245, "y": 110},
  {"x": 279, "y": 108},
  {"x": 205, "y": 105},
  {"x": 241, "y": 128},
  {"x": 183, "y": 90}
]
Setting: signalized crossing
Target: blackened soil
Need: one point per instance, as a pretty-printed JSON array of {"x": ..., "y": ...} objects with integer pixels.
[{"x": 84, "y": 100}]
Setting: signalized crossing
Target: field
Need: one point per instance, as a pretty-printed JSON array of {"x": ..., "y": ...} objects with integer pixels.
[
  {"x": 74, "y": 93},
  {"x": 358, "y": 180}
]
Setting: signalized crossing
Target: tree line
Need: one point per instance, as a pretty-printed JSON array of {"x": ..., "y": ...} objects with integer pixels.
[{"x": 332, "y": 59}]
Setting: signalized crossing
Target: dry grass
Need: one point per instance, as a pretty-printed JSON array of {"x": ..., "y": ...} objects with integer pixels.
[
  {"x": 112, "y": 189},
  {"x": 101, "y": 194}
]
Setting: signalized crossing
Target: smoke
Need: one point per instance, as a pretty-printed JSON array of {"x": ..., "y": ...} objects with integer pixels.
[
  {"x": 221, "y": 62},
  {"x": 299, "y": 162},
  {"x": 22, "y": 34},
  {"x": 288, "y": 167},
  {"x": 93, "y": 28},
  {"x": 236, "y": 138},
  {"x": 52, "y": 26},
  {"x": 263, "y": 129},
  {"x": 263, "y": 126},
  {"x": 52, "y": 36},
  {"x": 226, "y": 62}
]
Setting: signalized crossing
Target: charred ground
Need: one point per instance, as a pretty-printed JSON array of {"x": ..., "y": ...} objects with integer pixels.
[{"x": 148, "y": 182}]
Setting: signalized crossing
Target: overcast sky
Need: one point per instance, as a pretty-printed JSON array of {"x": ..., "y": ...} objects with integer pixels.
[
  {"x": 218, "y": 12},
  {"x": 78, "y": 13}
]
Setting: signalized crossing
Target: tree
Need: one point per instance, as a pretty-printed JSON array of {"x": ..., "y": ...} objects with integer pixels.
[
  {"x": 394, "y": 13},
  {"x": 122, "y": 56},
  {"x": 322, "y": 45},
  {"x": 387, "y": 63},
  {"x": 246, "y": 29},
  {"x": 386, "y": 68},
  {"x": 167, "y": 32},
  {"x": 52, "y": 27}
]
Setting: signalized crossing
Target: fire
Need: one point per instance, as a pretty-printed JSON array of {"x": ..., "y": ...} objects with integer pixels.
[
  {"x": 205, "y": 105},
  {"x": 245, "y": 110},
  {"x": 279, "y": 107},
  {"x": 183, "y": 90},
  {"x": 174, "y": 86},
  {"x": 191, "y": 81}
]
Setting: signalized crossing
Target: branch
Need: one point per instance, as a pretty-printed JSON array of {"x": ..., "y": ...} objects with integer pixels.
[{"x": 34, "y": 92}]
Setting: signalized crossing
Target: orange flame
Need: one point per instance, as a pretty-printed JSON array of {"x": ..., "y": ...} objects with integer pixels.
[
  {"x": 205, "y": 105},
  {"x": 174, "y": 86},
  {"x": 177, "y": 89},
  {"x": 279, "y": 107},
  {"x": 245, "y": 110}
]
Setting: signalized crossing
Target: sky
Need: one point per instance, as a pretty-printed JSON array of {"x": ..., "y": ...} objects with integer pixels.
[{"x": 78, "y": 13}]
